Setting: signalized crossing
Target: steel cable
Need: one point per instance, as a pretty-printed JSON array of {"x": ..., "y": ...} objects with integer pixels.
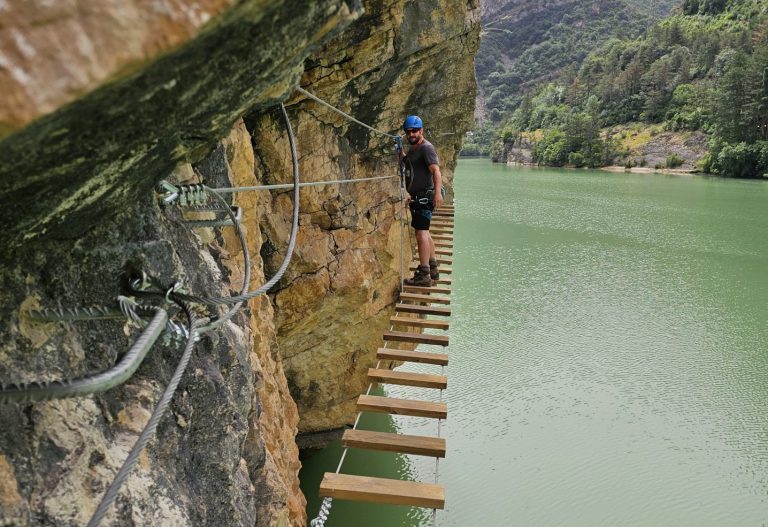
[
  {"x": 228, "y": 190},
  {"x": 327, "y": 105},
  {"x": 151, "y": 426},
  {"x": 244, "y": 296},
  {"x": 121, "y": 372}
]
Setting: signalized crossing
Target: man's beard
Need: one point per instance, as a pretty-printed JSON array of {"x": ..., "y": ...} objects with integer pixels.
[{"x": 413, "y": 140}]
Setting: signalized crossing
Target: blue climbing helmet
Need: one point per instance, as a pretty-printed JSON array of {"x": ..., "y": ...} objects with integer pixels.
[{"x": 412, "y": 121}]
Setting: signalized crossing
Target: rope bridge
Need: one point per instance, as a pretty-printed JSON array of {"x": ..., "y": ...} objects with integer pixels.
[{"x": 162, "y": 303}]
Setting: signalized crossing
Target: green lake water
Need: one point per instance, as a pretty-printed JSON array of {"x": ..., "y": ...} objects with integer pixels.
[{"x": 609, "y": 357}]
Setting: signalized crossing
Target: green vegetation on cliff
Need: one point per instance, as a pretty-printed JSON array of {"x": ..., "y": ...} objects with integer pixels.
[{"x": 703, "y": 68}]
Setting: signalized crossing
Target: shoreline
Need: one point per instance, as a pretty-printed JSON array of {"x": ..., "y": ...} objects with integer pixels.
[{"x": 648, "y": 170}]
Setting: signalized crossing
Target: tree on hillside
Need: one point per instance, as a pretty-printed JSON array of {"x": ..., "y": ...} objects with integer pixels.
[
  {"x": 704, "y": 7},
  {"x": 730, "y": 101},
  {"x": 759, "y": 95}
]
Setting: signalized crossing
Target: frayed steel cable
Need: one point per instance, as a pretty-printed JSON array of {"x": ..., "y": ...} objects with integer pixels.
[
  {"x": 151, "y": 426},
  {"x": 121, "y": 372}
]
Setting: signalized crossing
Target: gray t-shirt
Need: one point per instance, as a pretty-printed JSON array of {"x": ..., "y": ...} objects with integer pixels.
[{"x": 418, "y": 177}]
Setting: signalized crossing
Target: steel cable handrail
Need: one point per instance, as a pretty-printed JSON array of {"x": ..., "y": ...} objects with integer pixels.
[
  {"x": 151, "y": 426},
  {"x": 340, "y": 112},
  {"x": 244, "y": 296},
  {"x": 121, "y": 372}
]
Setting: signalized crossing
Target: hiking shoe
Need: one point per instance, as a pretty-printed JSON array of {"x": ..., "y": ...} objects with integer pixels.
[
  {"x": 420, "y": 277},
  {"x": 434, "y": 272}
]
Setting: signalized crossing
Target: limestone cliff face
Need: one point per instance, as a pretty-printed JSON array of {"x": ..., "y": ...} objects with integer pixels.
[
  {"x": 190, "y": 94},
  {"x": 399, "y": 58}
]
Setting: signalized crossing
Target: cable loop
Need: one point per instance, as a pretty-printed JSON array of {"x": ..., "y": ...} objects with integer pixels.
[
  {"x": 236, "y": 301},
  {"x": 171, "y": 290}
]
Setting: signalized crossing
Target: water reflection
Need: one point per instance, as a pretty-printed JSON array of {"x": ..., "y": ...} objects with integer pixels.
[{"x": 366, "y": 463}]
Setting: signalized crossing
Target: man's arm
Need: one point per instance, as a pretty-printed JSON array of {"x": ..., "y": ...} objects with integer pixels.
[{"x": 437, "y": 179}]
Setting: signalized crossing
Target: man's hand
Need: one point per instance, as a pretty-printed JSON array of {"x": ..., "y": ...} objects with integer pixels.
[
  {"x": 438, "y": 198},
  {"x": 437, "y": 179}
]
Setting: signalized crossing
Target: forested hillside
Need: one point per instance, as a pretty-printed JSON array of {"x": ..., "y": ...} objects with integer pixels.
[
  {"x": 524, "y": 43},
  {"x": 703, "y": 68}
]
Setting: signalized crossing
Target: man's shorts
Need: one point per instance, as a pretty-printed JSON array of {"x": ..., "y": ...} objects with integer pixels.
[{"x": 421, "y": 215}]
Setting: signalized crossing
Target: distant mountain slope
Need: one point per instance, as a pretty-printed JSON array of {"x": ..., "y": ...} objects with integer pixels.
[
  {"x": 526, "y": 42},
  {"x": 697, "y": 78}
]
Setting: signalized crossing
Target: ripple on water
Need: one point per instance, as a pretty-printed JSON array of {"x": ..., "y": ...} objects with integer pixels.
[
  {"x": 608, "y": 352},
  {"x": 604, "y": 369}
]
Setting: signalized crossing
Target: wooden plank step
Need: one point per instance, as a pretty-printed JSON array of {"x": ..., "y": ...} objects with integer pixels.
[
  {"x": 425, "y": 290},
  {"x": 440, "y": 230},
  {"x": 388, "y": 442},
  {"x": 443, "y": 237},
  {"x": 390, "y": 405},
  {"x": 404, "y": 378},
  {"x": 428, "y": 299},
  {"x": 440, "y": 260},
  {"x": 446, "y": 270},
  {"x": 441, "y": 221},
  {"x": 417, "y": 338},
  {"x": 445, "y": 252},
  {"x": 418, "y": 322},
  {"x": 423, "y": 310},
  {"x": 421, "y": 357},
  {"x": 382, "y": 490},
  {"x": 443, "y": 280}
]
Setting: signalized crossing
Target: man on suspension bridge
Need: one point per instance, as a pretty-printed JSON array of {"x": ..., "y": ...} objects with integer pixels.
[{"x": 425, "y": 187}]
